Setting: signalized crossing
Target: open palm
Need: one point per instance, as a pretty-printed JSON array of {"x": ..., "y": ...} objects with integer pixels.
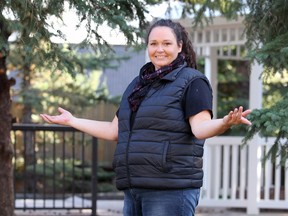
[{"x": 64, "y": 118}]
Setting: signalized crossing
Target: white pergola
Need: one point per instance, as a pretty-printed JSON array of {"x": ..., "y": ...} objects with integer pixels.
[{"x": 224, "y": 39}]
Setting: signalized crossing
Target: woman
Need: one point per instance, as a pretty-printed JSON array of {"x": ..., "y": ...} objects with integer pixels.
[{"x": 163, "y": 120}]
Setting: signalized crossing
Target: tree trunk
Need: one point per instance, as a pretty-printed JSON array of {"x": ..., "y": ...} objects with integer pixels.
[
  {"x": 27, "y": 115},
  {"x": 6, "y": 148}
]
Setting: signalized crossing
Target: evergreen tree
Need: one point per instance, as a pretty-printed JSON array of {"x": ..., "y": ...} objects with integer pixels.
[{"x": 267, "y": 34}]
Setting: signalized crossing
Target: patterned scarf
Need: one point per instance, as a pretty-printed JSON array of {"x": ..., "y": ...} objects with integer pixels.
[{"x": 147, "y": 77}]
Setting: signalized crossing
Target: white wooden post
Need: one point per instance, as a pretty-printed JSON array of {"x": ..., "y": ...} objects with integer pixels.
[
  {"x": 211, "y": 71},
  {"x": 254, "y": 157}
]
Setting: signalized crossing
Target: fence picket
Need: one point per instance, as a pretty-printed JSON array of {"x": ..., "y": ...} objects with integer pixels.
[
  {"x": 217, "y": 174},
  {"x": 277, "y": 180},
  {"x": 226, "y": 171},
  {"x": 235, "y": 170}
]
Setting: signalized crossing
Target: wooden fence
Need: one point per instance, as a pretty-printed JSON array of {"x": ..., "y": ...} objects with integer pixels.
[{"x": 236, "y": 176}]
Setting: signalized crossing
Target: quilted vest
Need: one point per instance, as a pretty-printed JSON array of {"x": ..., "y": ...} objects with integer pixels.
[{"x": 159, "y": 151}]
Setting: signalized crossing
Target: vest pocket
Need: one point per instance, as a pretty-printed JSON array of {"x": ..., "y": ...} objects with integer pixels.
[{"x": 165, "y": 157}]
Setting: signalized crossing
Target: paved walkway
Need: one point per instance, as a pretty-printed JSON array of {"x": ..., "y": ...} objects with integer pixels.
[{"x": 114, "y": 208}]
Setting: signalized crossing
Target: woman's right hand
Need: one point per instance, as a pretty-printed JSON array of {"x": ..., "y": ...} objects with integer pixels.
[{"x": 64, "y": 118}]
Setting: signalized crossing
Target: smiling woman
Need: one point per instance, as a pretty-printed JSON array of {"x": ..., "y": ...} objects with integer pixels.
[
  {"x": 161, "y": 125},
  {"x": 163, "y": 46}
]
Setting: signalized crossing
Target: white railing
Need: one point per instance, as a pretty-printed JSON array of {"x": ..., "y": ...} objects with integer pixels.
[{"x": 235, "y": 175}]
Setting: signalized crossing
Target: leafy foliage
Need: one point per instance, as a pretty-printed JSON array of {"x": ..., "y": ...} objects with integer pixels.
[
  {"x": 274, "y": 88},
  {"x": 203, "y": 10},
  {"x": 267, "y": 33},
  {"x": 267, "y": 39},
  {"x": 63, "y": 176},
  {"x": 272, "y": 122},
  {"x": 34, "y": 24},
  {"x": 232, "y": 76}
]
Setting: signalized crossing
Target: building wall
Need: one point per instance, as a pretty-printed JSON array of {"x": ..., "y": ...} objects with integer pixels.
[{"x": 117, "y": 79}]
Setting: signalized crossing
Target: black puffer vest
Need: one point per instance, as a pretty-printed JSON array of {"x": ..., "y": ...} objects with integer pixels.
[{"x": 159, "y": 151}]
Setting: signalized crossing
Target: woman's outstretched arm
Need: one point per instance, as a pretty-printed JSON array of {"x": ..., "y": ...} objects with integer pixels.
[
  {"x": 203, "y": 126},
  {"x": 100, "y": 129}
]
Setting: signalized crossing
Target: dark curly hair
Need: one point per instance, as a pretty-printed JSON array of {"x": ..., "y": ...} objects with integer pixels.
[{"x": 182, "y": 36}]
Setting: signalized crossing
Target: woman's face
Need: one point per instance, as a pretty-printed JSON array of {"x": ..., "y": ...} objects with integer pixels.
[{"x": 162, "y": 46}]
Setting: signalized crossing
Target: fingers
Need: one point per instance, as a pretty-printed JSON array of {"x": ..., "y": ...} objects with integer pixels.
[
  {"x": 237, "y": 113},
  {"x": 46, "y": 118},
  {"x": 63, "y": 118},
  {"x": 50, "y": 119},
  {"x": 230, "y": 115},
  {"x": 246, "y": 121},
  {"x": 237, "y": 116},
  {"x": 246, "y": 112},
  {"x": 61, "y": 110}
]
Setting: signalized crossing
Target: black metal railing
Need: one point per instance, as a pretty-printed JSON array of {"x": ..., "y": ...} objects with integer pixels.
[{"x": 55, "y": 167}]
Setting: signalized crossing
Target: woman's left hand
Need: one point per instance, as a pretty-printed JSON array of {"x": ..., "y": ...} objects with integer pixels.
[{"x": 237, "y": 116}]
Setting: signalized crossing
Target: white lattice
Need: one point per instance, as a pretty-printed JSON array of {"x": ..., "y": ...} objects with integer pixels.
[{"x": 227, "y": 36}]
